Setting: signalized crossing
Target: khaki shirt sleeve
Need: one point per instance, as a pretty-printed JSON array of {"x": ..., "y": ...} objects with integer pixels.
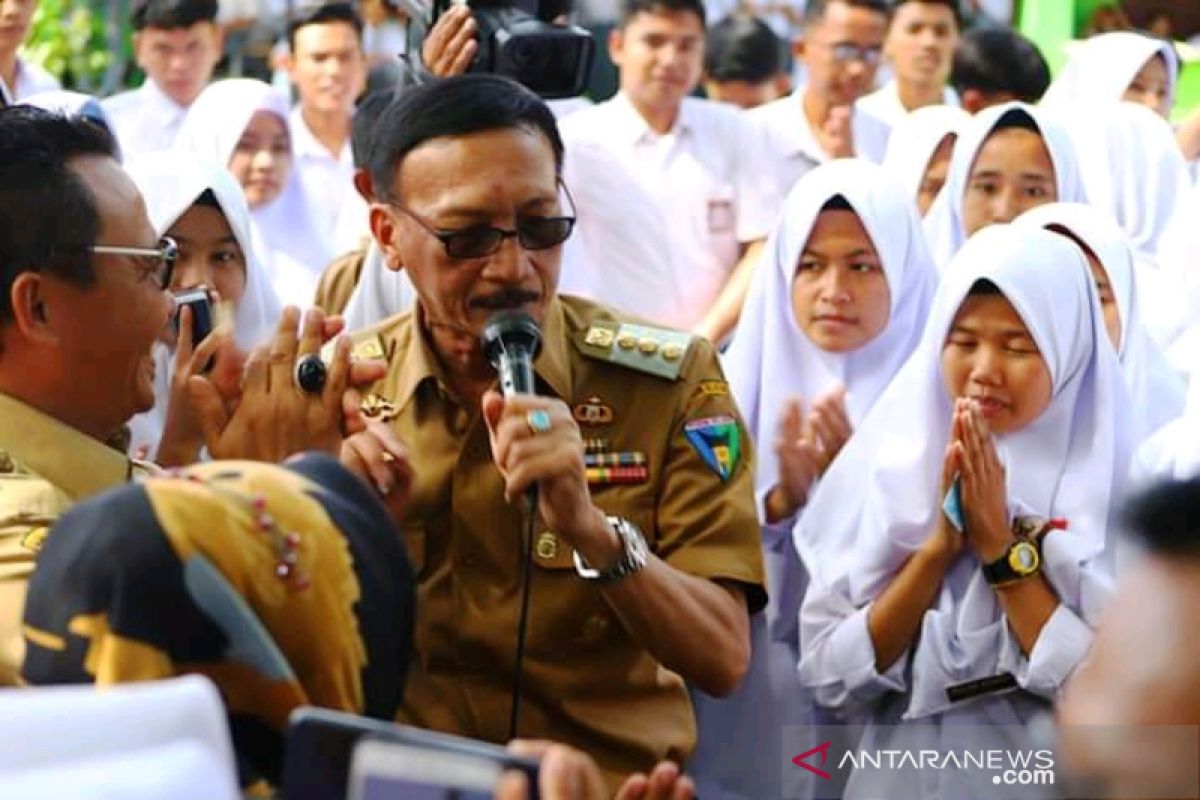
[
  {"x": 707, "y": 525},
  {"x": 28, "y": 509}
]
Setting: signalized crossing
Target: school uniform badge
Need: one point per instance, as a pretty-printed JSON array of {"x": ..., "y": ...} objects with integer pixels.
[{"x": 718, "y": 440}]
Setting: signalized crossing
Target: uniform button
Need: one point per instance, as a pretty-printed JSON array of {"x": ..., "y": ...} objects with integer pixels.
[{"x": 547, "y": 546}]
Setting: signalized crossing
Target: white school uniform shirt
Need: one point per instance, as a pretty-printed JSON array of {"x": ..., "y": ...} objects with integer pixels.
[
  {"x": 31, "y": 80},
  {"x": 884, "y": 103},
  {"x": 660, "y": 216},
  {"x": 328, "y": 184},
  {"x": 144, "y": 120},
  {"x": 880, "y": 499},
  {"x": 789, "y": 148}
]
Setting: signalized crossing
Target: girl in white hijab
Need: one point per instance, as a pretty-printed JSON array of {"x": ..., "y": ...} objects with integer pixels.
[
  {"x": 1008, "y": 159},
  {"x": 1156, "y": 391},
  {"x": 1013, "y": 396},
  {"x": 242, "y": 124},
  {"x": 201, "y": 206},
  {"x": 833, "y": 310},
  {"x": 1122, "y": 65},
  {"x": 918, "y": 151}
]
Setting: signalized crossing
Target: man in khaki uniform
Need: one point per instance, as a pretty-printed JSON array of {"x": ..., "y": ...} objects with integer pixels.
[
  {"x": 636, "y": 447},
  {"x": 73, "y": 370}
]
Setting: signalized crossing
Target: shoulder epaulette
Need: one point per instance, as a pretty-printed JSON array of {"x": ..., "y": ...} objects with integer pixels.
[{"x": 658, "y": 351}]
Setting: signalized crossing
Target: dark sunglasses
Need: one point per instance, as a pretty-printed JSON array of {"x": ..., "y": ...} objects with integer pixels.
[{"x": 478, "y": 241}]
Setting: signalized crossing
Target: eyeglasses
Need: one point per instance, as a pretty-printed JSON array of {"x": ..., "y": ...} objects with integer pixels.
[
  {"x": 478, "y": 241},
  {"x": 844, "y": 53},
  {"x": 166, "y": 254}
]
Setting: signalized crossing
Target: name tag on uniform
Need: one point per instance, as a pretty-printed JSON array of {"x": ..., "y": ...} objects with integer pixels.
[
  {"x": 721, "y": 216},
  {"x": 977, "y": 688}
]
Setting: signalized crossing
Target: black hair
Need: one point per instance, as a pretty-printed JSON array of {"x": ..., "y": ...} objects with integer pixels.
[
  {"x": 815, "y": 11},
  {"x": 742, "y": 48},
  {"x": 172, "y": 14},
  {"x": 999, "y": 60},
  {"x": 631, "y": 8},
  {"x": 1166, "y": 518},
  {"x": 838, "y": 202},
  {"x": 208, "y": 199},
  {"x": 1016, "y": 118},
  {"x": 325, "y": 14},
  {"x": 48, "y": 215},
  {"x": 456, "y": 106},
  {"x": 362, "y": 125},
  {"x": 950, "y": 4},
  {"x": 984, "y": 288}
]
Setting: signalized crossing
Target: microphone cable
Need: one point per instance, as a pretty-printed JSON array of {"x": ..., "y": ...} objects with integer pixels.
[{"x": 523, "y": 616}]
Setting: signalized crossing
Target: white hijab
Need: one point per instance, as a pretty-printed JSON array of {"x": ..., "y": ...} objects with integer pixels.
[
  {"x": 1157, "y": 392},
  {"x": 944, "y": 223},
  {"x": 771, "y": 359},
  {"x": 380, "y": 293},
  {"x": 914, "y": 140},
  {"x": 289, "y": 243},
  {"x": 1102, "y": 67},
  {"x": 170, "y": 185},
  {"x": 879, "y": 501}
]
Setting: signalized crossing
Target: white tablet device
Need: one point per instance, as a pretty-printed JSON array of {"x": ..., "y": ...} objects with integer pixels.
[{"x": 382, "y": 770}]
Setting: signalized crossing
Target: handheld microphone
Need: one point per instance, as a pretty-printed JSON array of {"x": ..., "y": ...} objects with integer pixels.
[{"x": 511, "y": 340}]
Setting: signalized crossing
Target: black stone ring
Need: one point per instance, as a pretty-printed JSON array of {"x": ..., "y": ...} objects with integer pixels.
[{"x": 311, "y": 373}]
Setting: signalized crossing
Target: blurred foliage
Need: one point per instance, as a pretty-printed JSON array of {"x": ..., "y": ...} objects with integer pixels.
[{"x": 71, "y": 40}]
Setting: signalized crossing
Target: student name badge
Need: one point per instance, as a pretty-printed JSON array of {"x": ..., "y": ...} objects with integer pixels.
[
  {"x": 718, "y": 442},
  {"x": 721, "y": 216}
]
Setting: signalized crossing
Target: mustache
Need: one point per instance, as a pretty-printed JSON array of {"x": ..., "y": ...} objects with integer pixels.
[{"x": 508, "y": 298}]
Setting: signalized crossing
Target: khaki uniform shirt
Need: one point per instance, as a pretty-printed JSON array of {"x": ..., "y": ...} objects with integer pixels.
[
  {"x": 586, "y": 681},
  {"x": 339, "y": 280},
  {"x": 45, "y": 468}
]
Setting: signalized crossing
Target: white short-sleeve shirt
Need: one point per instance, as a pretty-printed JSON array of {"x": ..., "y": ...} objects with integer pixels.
[
  {"x": 884, "y": 103},
  {"x": 789, "y": 148},
  {"x": 661, "y": 217},
  {"x": 31, "y": 80},
  {"x": 335, "y": 207},
  {"x": 144, "y": 120}
]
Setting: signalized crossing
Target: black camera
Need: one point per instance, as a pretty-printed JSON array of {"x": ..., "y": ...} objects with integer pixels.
[{"x": 553, "y": 60}]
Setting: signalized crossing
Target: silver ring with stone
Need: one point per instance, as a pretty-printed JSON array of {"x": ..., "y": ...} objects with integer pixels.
[
  {"x": 310, "y": 373},
  {"x": 538, "y": 420}
]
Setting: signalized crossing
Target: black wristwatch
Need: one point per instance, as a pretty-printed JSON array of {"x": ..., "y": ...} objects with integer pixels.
[
  {"x": 1022, "y": 560},
  {"x": 634, "y": 554}
]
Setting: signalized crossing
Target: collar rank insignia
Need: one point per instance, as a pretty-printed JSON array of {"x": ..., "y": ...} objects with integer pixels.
[{"x": 379, "y": 408}]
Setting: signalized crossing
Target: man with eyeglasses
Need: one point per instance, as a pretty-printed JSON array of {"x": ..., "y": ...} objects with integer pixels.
[
  {"x": 841, "y": 47},
  {"x": 83, "y": 299},
  {"x": 645, "y": 556}
]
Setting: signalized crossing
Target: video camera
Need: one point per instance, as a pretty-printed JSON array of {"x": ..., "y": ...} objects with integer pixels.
[{"x": 552, "y": 60}]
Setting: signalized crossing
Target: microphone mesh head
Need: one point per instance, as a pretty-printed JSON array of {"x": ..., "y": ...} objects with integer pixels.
[{"x": 509, "y": 331}]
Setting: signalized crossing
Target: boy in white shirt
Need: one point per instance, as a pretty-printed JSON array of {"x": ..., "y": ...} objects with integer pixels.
[
  {"x": 921, "y": 38},
  {"x": 19, "y": 79},
  {"x": 841, "y": 49},
  {"x": 663, "y": 183},
  {"x": 177, "y": 44}
]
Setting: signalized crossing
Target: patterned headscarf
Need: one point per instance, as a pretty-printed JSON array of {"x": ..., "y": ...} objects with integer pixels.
[{"x": 286, "y": 585}]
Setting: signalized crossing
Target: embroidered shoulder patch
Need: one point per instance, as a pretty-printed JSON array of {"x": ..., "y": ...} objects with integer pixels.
[{"x": 718, "y": 440}]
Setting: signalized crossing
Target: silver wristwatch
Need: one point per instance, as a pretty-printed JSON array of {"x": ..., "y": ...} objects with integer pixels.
[{"x": 633, "y": 556}]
